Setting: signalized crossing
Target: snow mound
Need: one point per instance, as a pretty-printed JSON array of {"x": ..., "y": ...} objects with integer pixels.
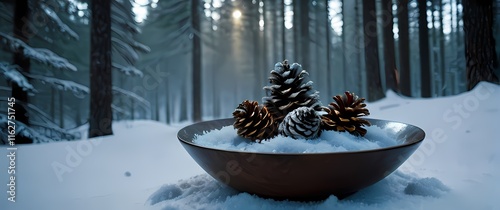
[
  {"x": 193, "y": 193},
  {"x": 330, "y": 141},
  {"x": 426, "y": 187},
  {"x": 204, "y": 192}
]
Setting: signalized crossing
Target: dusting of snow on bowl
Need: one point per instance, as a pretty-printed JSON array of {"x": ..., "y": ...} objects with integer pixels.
[{"x": 330, "y": 141}]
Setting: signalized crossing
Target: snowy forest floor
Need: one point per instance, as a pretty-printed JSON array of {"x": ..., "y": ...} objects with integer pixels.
[{"x": 143, "y": 166}]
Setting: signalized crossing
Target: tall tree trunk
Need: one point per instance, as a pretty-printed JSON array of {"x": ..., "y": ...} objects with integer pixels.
[
  {"x": 345, "y": 50},
  {"x": 435, "y": 54},
  {"x": 132, "y": 109},
  {"x": 358, "y": 38},
  {"x": 196, "y": 60},
  {"x": 404, "y": 48},
  {"x": 454, "y": 47},
  {"x": 157, "y": 105},
  {"x": 215, "y": 70},
  {"x": 297, "y": 39},
  {"x": 351, "y": 47},
  {"x": 119, "y": 102},
  {"x": 61, "y": 109},
  {"x": 304, "y": 34},
  {"x": 283, "y": 29},
  {"x": 371, "y": 51},
  {"x": 101, "y": 116},
  {"x": 266, "y": 65},
  {"x": 21, "y": 17},
  {"x": 423, "y": 37},
  {"x": 254, "y": 22},
  {"x": 442, "y": 61},
  {"x": 78, "y": 114},
  {"x": 319, "y": 72},
  {"x": 496, "y": 31},
  {"x": 459, "y": 39},
  {"x": 391, "y": 71},
  {"x": 53, "y": 103},
  {"x": 167, "y": 101},
  {"x": 458, "y": 17},
  {"x": 276, "y": 18},
  {"x": 479, "y": 41},
  {"x": 329, "y": 70}
]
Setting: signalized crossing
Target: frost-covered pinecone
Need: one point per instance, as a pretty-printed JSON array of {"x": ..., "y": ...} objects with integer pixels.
[
  {"x": 301, "y": 123},
  {"x": 289, "y": 90},
  {"x": 253, "y": 121},
  {"x": 343, "y": 114}
]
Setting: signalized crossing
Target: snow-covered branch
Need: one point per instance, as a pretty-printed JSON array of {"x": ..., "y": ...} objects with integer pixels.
[
  {"x": 50, "y": 133},
  {"x": 126, "y": 37},
  {"x": 48, "y": 57},
  {"x": 78, "y": 90},
  {"x": 174, "y": 7},
  {"x": 124, "y": 27},
  {"x": 127, "y": 70},
  {"x": 12, "y": 73},
  {"x": 120, "y": 110},
  {"x": 127, "y": 25},
  {"x": 128, "y": 53},
  {"x": 120, "y": 13},
  {"x": 21, "y": 131},
  {"x": 175, "y": 37},
  {"x": 145, "y": 103},
  {"x": 140, "y": 47},
  {"x": 51, "y": 14},
  {"x": 36, "y": 114},
  {"x": 41, "y": 55}
]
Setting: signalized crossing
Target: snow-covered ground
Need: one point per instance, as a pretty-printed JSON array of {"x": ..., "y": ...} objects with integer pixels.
[{"x": 143, "y": 166}]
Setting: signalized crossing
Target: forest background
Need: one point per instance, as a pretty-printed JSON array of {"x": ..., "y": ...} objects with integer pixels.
[{"x": 174, "y": 61}]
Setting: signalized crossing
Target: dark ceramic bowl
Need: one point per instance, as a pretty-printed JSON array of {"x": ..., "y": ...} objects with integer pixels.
[{"x": 299, "y": 176}]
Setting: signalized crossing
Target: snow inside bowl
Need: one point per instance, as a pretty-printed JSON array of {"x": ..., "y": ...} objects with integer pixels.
[{"x": 302, "y": 176}]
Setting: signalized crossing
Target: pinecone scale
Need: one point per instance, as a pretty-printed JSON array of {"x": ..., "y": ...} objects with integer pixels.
[
  {"x": 253, "y": 121},
  {"x": 289, "y": 90},
  {"x": 343, "y": 114},
  {"x": 301, "y": 123}
]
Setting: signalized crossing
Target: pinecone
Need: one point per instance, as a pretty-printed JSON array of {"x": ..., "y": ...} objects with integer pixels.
[
  {"x": 253, "y": 121},
  {"x": 301, "y": 123},
  {"x": 289, "y": 90},
  {"x": 342, "y": 115}
]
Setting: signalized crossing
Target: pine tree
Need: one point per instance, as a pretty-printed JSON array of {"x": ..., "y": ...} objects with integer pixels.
[
  {"x": 371, "y": 51},
  {"x": 36, "y": 125},
  {"x": 480, "y": 50},
  {"x": 404, "y": 48},
  {"x": 101, "y": 116},
  {"x": 196, "y": 60},
  {"x": 391, "y": 70},
  {"x": 423, "y": 35},
  {"x": 21, "y": 13}
]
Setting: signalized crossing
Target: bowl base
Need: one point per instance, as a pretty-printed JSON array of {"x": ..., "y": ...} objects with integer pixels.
[{"x": 306, "y": 199}]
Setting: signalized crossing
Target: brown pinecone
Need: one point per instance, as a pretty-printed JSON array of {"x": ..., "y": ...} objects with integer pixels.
[
  {"x": 289, "y": 89},
  {"x": 301, "y": 123},
  {"x": 344, "y": 113},
  {"x": 253, "y": 121}
]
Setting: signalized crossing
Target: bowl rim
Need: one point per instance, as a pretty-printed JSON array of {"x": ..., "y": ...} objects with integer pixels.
[{"x": 405, "y": 144}]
